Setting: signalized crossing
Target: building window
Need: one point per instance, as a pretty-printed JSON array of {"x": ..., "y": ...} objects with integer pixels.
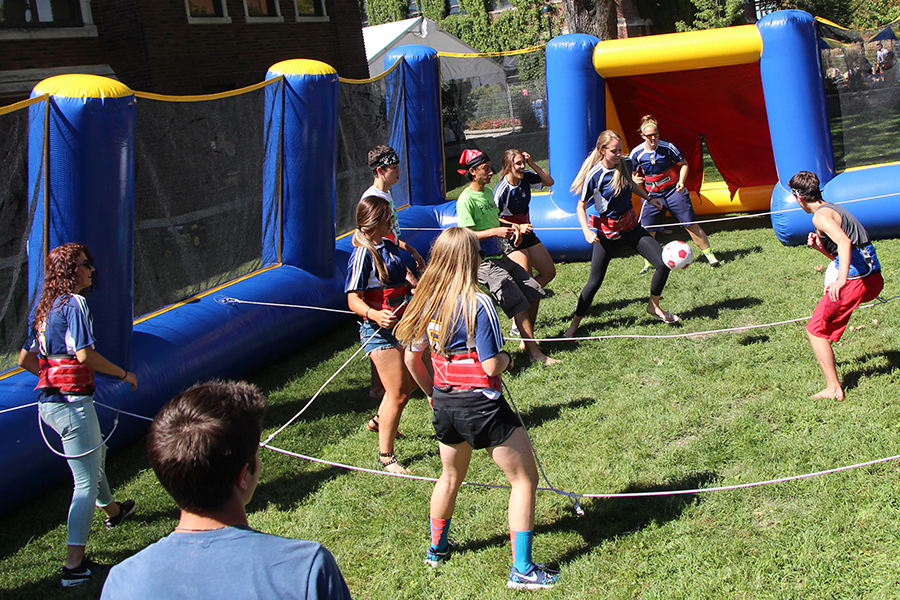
[
  {"x": 262, "y": 11},
  {"x": 455, "y": 9},
  {"x": 40, "y": 13},
  {"x": 207, "y": 12},
  {"x": 311, "y": 10}
]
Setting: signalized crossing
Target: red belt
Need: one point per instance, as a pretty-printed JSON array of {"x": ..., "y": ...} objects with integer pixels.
[
  {"x": 462, "y": 372},
  {"x": 665, "y": 180},
  {"x": 613, "y": 228},
  {"x": 66, "y": 374}
]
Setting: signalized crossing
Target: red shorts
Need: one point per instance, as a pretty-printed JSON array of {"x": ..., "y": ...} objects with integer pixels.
[{"x": 831, "y": 318}]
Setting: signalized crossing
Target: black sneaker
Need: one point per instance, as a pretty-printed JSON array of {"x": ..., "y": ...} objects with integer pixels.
[
  {"x": 126, "y": 509},
  {"x": 77, "y": 576}
]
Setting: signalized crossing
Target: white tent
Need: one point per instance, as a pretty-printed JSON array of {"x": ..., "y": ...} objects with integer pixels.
[{"x": 379, "y": 39}]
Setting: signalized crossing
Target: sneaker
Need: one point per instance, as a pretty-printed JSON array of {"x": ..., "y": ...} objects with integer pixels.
[
  {"x": 77, "y": 576},
  {"x": 126, "y": 509},
  {"x": 539, "y": 577},
  {"x": 713, "y": 261},
  {"x": 513, "y": 331},
  {"x": 647, "y": 267},
  {"x": 434, "y": 559}
]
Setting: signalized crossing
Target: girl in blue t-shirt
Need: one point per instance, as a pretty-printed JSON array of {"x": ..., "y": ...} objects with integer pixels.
[
  {"x": 377, "y": 290},
  {"x": 463, "y": 330},
  {"x": 605, "y": 185},
  {"x": 60, "y": 351}
]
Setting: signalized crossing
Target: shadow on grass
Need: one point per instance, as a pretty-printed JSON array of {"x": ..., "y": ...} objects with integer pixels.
[
  {"x": 538, "y": 415},
  {"x": 610, "y": 518},
  {"x": 851, "y": 379},
  {"x": 712, "y": 311}
]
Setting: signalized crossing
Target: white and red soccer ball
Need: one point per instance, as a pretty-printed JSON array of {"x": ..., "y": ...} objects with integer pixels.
[{"x": 677, "y": 255}]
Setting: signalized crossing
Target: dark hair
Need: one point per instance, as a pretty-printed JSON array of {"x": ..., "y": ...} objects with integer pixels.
[
  {"x": 806, "y": 183},
  {"x": 381, "y": 156},
  {"x": 60, "y": 277},
  {"x": 202, "y": 438}
]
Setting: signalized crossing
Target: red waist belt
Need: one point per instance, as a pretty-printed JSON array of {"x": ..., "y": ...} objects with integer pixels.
[
  {"x": 66, "y": 374},
  {"x": 665, "y": 180},
  {"x": 387, "y": 298},
  {"x": 462, "y": 372},
  {"x": 518, "y": 219},
  {"x": 613, "y": 228}
]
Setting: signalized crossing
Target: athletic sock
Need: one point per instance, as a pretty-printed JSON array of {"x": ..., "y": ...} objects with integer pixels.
[
  {"x": 710, "y": 256},
  {"x": 439, "y": 530},
  {"x": 522, "y": 542}
]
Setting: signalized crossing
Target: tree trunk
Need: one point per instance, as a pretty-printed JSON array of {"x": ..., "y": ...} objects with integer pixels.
[{"x": 594, "y": 17}]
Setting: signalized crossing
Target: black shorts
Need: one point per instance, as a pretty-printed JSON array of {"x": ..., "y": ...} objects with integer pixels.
[
  {"x": 470, "y": 416},
  {"x": 529, "y": 240}
]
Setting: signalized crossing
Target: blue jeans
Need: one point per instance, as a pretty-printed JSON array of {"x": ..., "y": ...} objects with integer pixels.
[{"x": 76, "y": 423}]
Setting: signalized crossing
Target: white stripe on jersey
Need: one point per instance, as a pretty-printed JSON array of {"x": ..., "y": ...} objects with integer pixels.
[{"x": 494, "y": 321}]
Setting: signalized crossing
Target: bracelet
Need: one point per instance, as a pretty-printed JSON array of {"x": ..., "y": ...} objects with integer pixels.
[
  {"x": 367, "y": 314},
  {"x": 122, "y": 378}
]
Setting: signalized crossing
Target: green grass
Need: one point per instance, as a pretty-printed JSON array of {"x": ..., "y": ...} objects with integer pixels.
[{"x": 614, "y": 416}]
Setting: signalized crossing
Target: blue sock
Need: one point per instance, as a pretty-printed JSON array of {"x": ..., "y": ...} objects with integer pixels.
[
  {"x": 522, "y": 542},
  {"x": 439, "y": 530}
]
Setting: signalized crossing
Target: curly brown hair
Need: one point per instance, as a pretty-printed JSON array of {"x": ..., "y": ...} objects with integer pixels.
[{"x": 60, "y": 278}]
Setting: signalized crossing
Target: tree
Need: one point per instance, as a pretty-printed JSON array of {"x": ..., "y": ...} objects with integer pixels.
[
  {"x": 386, "y": 11},
  {"x": 712, "y": 14},
  {"x": 594, "y": 17}
]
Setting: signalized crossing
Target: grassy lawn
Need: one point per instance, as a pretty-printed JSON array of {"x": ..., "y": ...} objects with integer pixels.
[{"x": 616, "y": 415}]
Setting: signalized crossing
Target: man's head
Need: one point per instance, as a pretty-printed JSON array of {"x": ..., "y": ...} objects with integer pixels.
[
  {"x": 477, "y": 165},
  {"x": 805, "y": 188},
  {"x": 202, "y": 439},
  {"x": 878, "y": 46},
  {"x": 385, "y": 163}
]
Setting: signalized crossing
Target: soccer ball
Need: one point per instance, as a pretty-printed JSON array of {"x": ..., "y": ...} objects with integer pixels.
[{"x": 677, "y": 255}]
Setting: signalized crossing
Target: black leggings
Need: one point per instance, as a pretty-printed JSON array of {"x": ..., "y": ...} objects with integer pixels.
[{"x": 605, "y": 249}]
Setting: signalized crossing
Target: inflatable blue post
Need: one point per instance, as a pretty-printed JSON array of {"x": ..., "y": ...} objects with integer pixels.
[
  {"x": 306, "y": 198},
  {"x": 89, "y": 195},
  {"x": 420, "y": 119},
  {"x": 576, "y": 107}
]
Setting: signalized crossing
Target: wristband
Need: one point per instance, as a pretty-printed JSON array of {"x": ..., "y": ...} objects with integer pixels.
[
  {"x": 122, "y": 378},
  {"x": 367, "y": 313}
]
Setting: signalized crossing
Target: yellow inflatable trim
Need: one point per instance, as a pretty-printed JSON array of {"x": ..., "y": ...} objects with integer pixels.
[
  {"x": 715, "y": 199},
  {"x": 302, "y": 66},
  {"x": 83, "y": 86},
  {"x": 672, "y": 52}
]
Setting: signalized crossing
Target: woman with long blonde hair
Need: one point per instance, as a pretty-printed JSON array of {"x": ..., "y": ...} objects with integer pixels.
[
  {"x": 462, "y": 327},
  {"x": 604, "y": 182},
  {"x": 377, "y": 290}
]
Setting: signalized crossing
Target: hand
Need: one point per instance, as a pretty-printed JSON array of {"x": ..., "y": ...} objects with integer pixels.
[
  {"x": 814, "y": 241},
  {"x": 526, "y": 228},
  {"x": 420, "y": 262},
  {"x": 637, "y": 178},
  {"x": 834, "y": 289},
  {"x": 131, "y": 379},
  {"x": 527, "y": 158},
  {"x": 516, "y": 235},
  {"x": 656, "y": 202},
  {"x": 590, "y": 235},
  {"x": 385, "y": 318},
  {"x": 679, "y": 187}
]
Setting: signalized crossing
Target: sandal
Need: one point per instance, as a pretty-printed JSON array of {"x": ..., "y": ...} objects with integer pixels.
[
  {"x": 667, "y": 317},
  {"x": 393, "y": 461},
  {"x": 372, "y": 426}
]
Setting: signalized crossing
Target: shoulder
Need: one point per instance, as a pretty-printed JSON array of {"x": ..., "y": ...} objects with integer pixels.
[
  {"x": 374, "y": 191},
  {"x": 669, "y": 147}
]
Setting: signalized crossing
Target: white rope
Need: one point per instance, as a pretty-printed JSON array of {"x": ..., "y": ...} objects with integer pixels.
[
  {"x": 6, "y": 410},
  {"x": 228, "y": 300},
  {"x": 83, "y": 454}
]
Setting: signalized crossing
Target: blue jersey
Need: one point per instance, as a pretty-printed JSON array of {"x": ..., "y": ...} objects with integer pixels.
[
  {"x": 487, "y": 339},
  {"x": 67, "y": 328},
  {"x": 515, "y": 199},
  {"x": 664, "y": 158},
  {"x": 362, "y": 275},
  {"x": 597, "y": 191}
]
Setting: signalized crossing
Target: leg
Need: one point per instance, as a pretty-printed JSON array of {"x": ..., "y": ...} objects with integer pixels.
[
  {"x": 698, "y": 235},
  {"x": 600, "y": 257},
  {"x": 76, "y": 423},
  {"x": 393, "y": 374},
  {"x": 515, "y": 459},
  {"x": 454, "y": 465},
  {"x": 526, "y": 327},
  {"x": 825, "y": 356},
  {"x": 539, "y": 257},
  {"x": 647, "y": 247}
]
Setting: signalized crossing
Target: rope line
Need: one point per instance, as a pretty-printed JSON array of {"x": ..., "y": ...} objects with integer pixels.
[
  {"x": 83, "y": 454},
  {"x": 227, "y": 300}
]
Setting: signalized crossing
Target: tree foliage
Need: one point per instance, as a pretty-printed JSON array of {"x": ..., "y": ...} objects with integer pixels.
[
  {"x": 594, "y": 17},
  {"x": 386, "y": 11},
  {"x": 665, "y": 13},
  {"x": 711, "y": 14}
]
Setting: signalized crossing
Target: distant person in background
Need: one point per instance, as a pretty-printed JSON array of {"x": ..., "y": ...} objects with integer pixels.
[
  {"x": 513, "y": 199},
  {"x": 660, "y": 167},
  {"x": 843, "y": 239},
  {"x": 60, "y": 351},
  {"x": 204, "y": 448}
]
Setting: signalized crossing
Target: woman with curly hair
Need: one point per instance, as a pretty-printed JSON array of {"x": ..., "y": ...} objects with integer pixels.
[{"x": 60, "y": 351}]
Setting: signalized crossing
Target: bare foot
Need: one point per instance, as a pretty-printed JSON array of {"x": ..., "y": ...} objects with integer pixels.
[
  {"x": 544, "y": 359},
  {"x": 662, "y": 315},
  {"x": 570, "y": 332},
  {"x": 830, "y": 393},
  {"x": 521, "y": 346}
]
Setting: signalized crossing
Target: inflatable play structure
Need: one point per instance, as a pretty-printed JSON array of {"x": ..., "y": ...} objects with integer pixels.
[{"x": 727, "y": 87}]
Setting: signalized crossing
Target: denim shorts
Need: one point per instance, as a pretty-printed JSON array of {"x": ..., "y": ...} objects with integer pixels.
[{"x": 380, "y": 341}]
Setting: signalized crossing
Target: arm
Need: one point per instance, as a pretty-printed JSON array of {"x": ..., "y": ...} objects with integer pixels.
[
  {"x": 384, "y": 318},
  {"x": 546, "y": 180},
  {"x": 682, "y": 175},
  {"x": 500, "y": 362},
  {"x": 93, "y": 359},
  {"x": 420, "y": 262},
  {"x": 414, "y": 358},
  {"x": 589, "y": 234},
  {"x": 29, "y": 361},
  {"x": 829, "y": 222}
]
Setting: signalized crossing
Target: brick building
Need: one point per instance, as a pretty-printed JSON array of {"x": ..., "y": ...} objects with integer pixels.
[{"x": 178, "y": 47}]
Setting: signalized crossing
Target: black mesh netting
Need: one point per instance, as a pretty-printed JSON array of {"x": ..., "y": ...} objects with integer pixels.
[
  {"x": 863, "y": 93},
  {"x": 198, "y": 195},
  {"x": 492, "y": 104},
  {"x": 15, "y": 224},
  {"x": 363, "y": 123}
]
